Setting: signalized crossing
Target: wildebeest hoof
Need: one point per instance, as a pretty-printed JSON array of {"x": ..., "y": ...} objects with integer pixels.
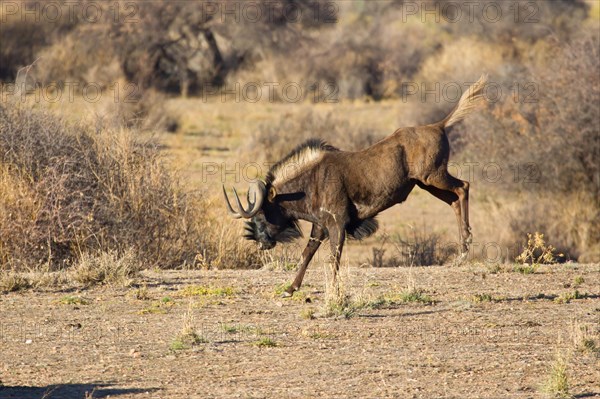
[
  {"x": 286, "y": 294},
  {"x": 461, "y": 258}
]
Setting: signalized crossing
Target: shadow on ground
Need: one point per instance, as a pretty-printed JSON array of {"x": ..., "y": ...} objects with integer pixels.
[{"x": 67, "y": 391}]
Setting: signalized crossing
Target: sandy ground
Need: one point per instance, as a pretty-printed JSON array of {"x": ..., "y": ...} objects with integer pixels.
[{"x": 106, "y": 342}]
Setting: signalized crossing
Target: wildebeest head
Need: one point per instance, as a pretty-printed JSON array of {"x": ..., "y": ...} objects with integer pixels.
[{"x": 268, "y": 222}]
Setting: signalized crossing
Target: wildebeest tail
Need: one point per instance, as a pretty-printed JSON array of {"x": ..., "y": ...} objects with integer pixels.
[{"x": 469, "y": 100}]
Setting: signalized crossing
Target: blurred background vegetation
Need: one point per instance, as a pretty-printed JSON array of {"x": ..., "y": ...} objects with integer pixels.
[{"x": 368, "y": 56}]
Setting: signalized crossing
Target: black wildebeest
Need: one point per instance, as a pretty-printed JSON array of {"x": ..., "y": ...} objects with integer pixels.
[{"x": 341, "y": 192}]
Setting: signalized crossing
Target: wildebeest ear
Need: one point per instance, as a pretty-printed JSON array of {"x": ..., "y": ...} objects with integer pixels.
[{"x": 272, "y": 194}]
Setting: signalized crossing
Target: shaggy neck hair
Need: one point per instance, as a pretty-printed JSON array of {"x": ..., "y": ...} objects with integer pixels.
[{"x": 301, "y": 157}]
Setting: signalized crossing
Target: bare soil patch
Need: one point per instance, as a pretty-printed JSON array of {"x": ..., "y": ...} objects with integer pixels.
[{"x": 491, "y": 334}]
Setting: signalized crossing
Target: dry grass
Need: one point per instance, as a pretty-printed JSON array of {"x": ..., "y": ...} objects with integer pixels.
[
  {"x": 106, "y": 267},
  {"x": 80, "y": 189},
  {"x": 72, "y": 191},
  {"x": 188, "y": 336},
  {"x": 89, "y": 269},
  {"x": 557, "y": 382}
]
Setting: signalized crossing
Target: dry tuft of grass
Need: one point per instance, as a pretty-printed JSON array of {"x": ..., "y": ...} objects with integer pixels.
[
  {"x": 106, "y": 267},
  {"x": 188, "y": 336},
  {"x": 585, "y": 338},
  {"x": 11, "y": 281},
  {"x": 557, "y": 382},
  {"x": 338, "y": 301}
]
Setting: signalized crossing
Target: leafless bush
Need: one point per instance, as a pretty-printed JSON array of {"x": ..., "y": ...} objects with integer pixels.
[
  {"x": 422, "y": 249},
  {"x": 415, "y": 247}
]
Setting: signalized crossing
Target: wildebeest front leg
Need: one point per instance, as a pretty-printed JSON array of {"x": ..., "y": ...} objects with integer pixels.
[
  {"x": 317, "y": 235},
  {"x": 337, "y": 236}
]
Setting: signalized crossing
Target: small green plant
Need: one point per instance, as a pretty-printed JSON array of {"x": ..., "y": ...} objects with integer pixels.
[
  {"x": 578, "y": 281},
  {"x": 537, "y": 252},
  {"x": 526, "y": 268},
  {"x": 483, "y": 298},
  {"x": 177, "y": 344},
  {"x": 414, "y": 295},
  {"x": 341, "y": 308},
  {"x": 494, "y": 268},
  {"x": 73, "y": 300},
  {"x": 162, "y": 306},
  {"x": 557, "y": 382},
  {"x": 230, "y": 329},
  {"x": 567, "y": 297},
  {"x": 281, "y": 288},
  {"x": 199, "y": 290},
  {"x": 188, "y": 336},
  {"x": 308, "y": 314},
  {"x": 266, "y": 342},
  {"x": 141, "y": 293}
]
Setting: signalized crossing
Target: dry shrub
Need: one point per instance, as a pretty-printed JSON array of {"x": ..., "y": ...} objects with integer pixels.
[
  {"x": 68, "y": 190},
  {"x": 527, "y": 20},
  {"x": 422, "y": 248},
  {"x": 77, "y": 58},
  {"x": 414, "y": 247},
  {"x": 366, "y": 55},
  {"x": 547, "y": 149}
]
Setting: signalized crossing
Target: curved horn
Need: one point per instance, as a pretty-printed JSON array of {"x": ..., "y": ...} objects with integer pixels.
[
  {"x": 254, "y": 205},
  {"x": 229, "y": 208}
]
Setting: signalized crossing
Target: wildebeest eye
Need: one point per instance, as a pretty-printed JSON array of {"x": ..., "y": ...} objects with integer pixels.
[{"x": 250, "y": 230}]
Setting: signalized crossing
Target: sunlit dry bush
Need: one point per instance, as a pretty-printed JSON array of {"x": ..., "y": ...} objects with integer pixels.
[
  {"x": 553, "y": 143},
  {"x": 67, "y": 190}
]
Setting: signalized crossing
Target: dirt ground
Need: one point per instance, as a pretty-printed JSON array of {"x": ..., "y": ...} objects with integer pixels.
[{"x": 490, "y": 334}]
